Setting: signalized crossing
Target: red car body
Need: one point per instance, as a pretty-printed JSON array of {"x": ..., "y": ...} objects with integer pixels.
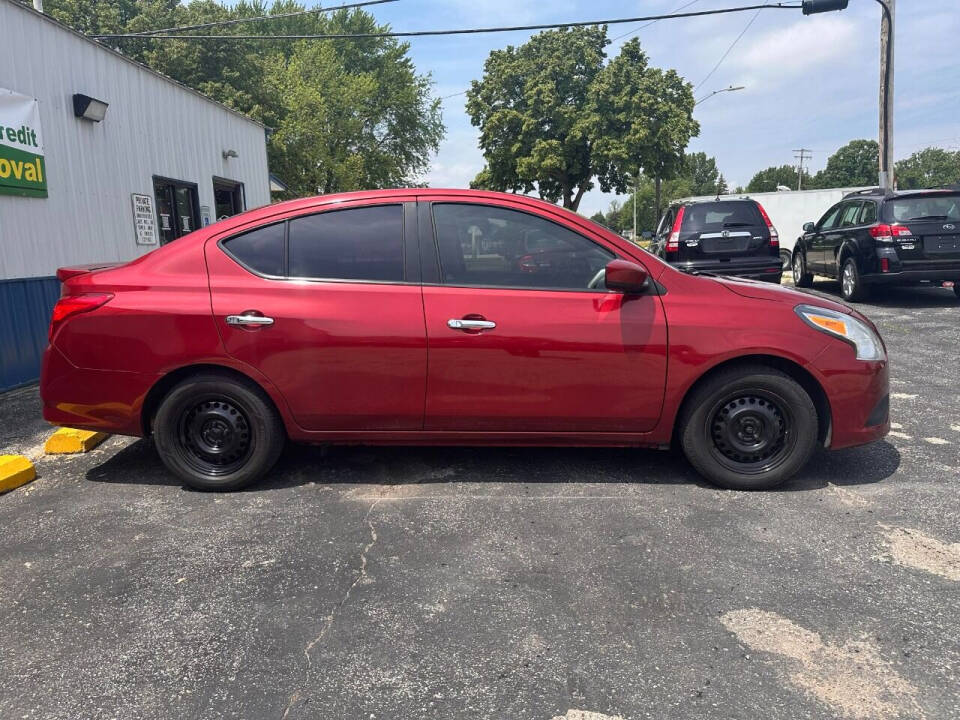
[{"x": 377, "y": 363}]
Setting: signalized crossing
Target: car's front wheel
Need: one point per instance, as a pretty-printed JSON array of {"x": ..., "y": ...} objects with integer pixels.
[
  {"x": 801, "y": 277},
  {"x": 218, "y": 433},
  {"x": 749, "y": 428}
]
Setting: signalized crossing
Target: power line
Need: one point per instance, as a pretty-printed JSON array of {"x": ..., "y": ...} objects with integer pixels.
[
  {"x": 652, "y": 22},
  {"x": 462, "y": 31},
  {"x": 235, "y": 21},
  {"x": 732, "y": 45}
]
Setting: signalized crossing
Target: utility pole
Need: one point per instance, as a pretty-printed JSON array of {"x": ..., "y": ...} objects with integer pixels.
[
  {"x": 886, "y": 94},
  {"x": 636, "y": 188},
  {"x": 801, "y": 155}
]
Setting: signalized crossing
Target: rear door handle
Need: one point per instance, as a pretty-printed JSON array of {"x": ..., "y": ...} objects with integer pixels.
[
  {"x": 455, "y": 324},
  {"x": 249, "y": 320}
]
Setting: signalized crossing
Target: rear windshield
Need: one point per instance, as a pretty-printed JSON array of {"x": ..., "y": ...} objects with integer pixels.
[
  {"x": 942, "y": 207},
  {"x": 719, "y": 215}
]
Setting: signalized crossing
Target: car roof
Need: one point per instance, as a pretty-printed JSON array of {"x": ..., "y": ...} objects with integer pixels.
[
  {"x": 880, "y": 194},
  {"x": 678, "y": 203}
]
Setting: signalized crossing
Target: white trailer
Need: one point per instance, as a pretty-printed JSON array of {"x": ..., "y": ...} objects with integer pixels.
[{"x": 789, "y": 210}]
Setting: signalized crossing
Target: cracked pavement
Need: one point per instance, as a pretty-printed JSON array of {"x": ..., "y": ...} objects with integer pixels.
[{"x": 498, "y": 583}]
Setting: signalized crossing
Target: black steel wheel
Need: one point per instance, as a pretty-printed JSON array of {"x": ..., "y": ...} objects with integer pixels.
[
  {"x": 751, "y": 430},
  {"x": 748, "y": 427},
  {"x": 215, "y": 436},
  {"x": 217, "y": 432}
]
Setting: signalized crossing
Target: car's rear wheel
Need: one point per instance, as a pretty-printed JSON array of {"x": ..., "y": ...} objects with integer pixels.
[
  {"x": 749, "y": 428},
  {"x": 801, "y": 277},
  {"x": 785, "y": 260},
  {"x": 851, "y": 284},
  {"x": 218, "y": 433},
  {"x": 956, "y": 289}
]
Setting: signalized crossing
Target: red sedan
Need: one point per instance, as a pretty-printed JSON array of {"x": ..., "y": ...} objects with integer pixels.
[{"x": 451, "y": 317}]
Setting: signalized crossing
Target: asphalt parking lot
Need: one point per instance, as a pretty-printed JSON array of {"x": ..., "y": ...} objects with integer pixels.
[{"x": 497, "y": 583}]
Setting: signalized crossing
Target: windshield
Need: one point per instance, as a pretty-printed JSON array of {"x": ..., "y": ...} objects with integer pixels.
[
  {"x": 716, "y": 216},
  {"x": 945, "y": 207}
]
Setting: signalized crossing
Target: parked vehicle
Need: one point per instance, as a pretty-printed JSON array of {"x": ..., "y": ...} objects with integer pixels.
[
  {"x": 875, "y": 238},
  {"x": 789, "y": 210},
  {"x": 725, "y": 237},
  {"x": 451, "y": 317}
]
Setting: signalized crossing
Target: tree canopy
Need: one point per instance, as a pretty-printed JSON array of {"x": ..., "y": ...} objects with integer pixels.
[
  {"x": 767, "y": 179},
  {"x": 553, "y": 117},
  {"x": 930, "y": 167},
  {"x": 345, "y": 114},
  {"x": 856, "y": 163}
]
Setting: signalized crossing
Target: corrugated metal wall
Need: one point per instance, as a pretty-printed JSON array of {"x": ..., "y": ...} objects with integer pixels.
[
  {"x": 25, "y": 307},
  {"x": 153, "y": 127}
]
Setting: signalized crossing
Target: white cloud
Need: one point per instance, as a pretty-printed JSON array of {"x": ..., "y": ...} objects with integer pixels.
[{"x": 780, "y": 55}]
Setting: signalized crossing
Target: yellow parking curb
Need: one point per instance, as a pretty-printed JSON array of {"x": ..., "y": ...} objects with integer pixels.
[
  {"x": 71, "y": 440},
  {"x": 15, "y": 470}
]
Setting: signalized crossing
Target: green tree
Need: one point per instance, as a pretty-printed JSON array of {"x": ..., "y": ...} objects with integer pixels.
[
  {"x": 553, "y": 117},
  {"x": 703, "y": 174},
  {"x": 345, "y": 114},
  {"x": 856, "y": 163},
  {"x": 768, "y": 179},
  {"x": 927, "y": 168}
]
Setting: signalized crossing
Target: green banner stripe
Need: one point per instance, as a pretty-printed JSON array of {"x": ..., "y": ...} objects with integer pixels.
[{"x": 21, "y": 170}]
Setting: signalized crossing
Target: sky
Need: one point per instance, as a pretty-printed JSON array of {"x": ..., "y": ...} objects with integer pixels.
[{"x": 810, "y": 81}]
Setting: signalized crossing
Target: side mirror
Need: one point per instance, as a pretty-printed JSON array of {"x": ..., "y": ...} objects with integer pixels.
[
  {"x": 809, "y": 227},
  {"x": 625, "y": 276}
]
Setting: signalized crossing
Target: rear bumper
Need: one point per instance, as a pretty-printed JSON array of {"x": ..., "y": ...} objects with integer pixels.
[
  {"x": 767, "y": 268},
  {"x": 911, "y": 276},
  {"x": 103, "y": 400}
]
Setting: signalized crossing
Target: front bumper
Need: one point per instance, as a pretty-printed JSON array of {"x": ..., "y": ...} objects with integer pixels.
[{"x": 858, "y": 393}]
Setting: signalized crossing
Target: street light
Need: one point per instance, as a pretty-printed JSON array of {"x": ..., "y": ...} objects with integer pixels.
[{"x": 732, "y": 88}]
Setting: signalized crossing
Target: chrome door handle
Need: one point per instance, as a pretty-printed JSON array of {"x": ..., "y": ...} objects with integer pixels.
[
  {"x": 249, "y": 320},
  {"x": 455, "y": 324}
]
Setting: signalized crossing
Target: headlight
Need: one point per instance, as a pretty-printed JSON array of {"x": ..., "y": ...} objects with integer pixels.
[{"x": 846, "y": 327}]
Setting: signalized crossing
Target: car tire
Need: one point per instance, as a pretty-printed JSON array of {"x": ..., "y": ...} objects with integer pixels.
[
  {"x": 785, "y": 260},
  {"x": 852, "y": 287},
  {"x": 801, "y": 277},
  {"x": 749, "y": 428},
  {"x": 218, "y": 433},
  {"x": 956, "y": 288}
]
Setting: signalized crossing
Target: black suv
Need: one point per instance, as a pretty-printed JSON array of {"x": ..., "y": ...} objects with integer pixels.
[
  {"x": 725, "y": 237},
  {"x": 873, "y": 237}
]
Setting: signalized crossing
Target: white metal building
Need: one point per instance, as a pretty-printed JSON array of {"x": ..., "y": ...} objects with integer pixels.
[{"x": 128, "y": 159}]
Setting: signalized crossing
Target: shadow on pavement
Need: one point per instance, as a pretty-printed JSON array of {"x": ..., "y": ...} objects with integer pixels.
[{"x": 139, "y": 464}]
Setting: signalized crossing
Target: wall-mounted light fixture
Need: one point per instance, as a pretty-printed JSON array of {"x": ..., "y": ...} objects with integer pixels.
[
  {"x": 229, "y": 154},
  {"x": 89, "y": 108}
]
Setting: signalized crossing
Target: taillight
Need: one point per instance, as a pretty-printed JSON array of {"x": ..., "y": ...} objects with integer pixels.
[
  {"x": 74, "y": 305},
  {"x": 774, "y": 235},
  {"x": 673, "y": 241},
  {"x": 884, "y": 233}
]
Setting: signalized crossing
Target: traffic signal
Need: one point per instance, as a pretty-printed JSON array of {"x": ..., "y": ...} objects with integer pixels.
[{"x": 811, "y": 7}]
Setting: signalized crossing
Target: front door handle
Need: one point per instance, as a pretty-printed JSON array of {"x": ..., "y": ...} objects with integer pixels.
[
  {"x": 246, "y": 320},
  {"x": 455, "y": 324}
]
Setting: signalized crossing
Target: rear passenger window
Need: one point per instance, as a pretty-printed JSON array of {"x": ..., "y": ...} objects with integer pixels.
[
  {"x": 259, "y": 250},
  {"x": 869, "y": 214},
  {"x": 850, "y": 215},
  {"x": 363, "y": 243}
]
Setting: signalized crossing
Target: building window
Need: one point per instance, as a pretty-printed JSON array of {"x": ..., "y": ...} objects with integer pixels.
[
  {"x": 227, "y": 197},
  {"x": 178, "y": 208}
]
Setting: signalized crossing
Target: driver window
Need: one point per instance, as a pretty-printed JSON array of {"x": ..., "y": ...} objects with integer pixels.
[
  {"x": 831, "y": 219},
  {"x": 486, "y": 246}
]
